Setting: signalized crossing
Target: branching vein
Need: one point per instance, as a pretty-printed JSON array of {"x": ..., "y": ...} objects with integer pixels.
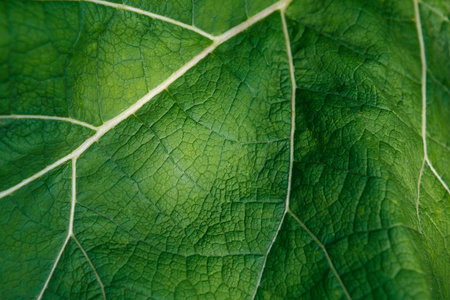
[
  {"x": 69, "y": 231},
  {"x": 424, "y": 107},
  {"x": 437, "y": 12},
  {"x": 107, "y": 126},
  {"x": 291, "y": 163},
  {"x": 71, "y": 235},
  {"x": 291, "y": 144},
  {"x": 55, "y": 264},
  {"x": 325, "y": 252},
  {"x": 438, "y": 177},
  {"x": 50, "y": 118},
  {"x": 152, "y": 15},
  {"x": 216, "y": 41},
  {"x": 99, "y": 280}
]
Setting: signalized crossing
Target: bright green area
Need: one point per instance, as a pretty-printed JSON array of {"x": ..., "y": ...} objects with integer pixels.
[{"x": 185, "y": 199}]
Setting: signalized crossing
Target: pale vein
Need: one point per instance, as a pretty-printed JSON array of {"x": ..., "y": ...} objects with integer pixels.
[
  {"x": 423, "y": 60},
  {"x": 70, "y": 234},
  {"x": 153, "y": 16},
  {"x": 291, "y": 164},
  {"x": 418, "y": 195},
  {"x": 58, "y": 257},
  {"x": 143, "y": 12},
  {"x": 48, "y": 118},
  {"x": 291, "y": 144},
  {"x": 325, "y": 252},
  {"x": 437, "y": 12},
  {"x": 102, "y": 286},
  {"x": 107, "y": 126}
]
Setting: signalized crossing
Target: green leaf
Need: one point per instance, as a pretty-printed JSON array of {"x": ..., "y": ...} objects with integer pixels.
[{"x": 225, "y": 149}]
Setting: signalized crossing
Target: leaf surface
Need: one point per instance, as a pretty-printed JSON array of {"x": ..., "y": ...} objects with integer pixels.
[{"x": 230, "y": 150}]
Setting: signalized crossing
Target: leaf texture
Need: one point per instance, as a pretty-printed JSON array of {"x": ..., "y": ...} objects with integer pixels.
[{"x": 225, "y": 149}]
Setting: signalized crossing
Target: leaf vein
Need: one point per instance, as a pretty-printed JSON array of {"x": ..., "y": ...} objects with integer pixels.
[
  {"x": 423, "y": 60},
  {"x": 107, "y": 126},
  {"x": 325, "y": 252},
  {"x": 50, "y": 118},
  {"x": 291, "y": 143}
]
